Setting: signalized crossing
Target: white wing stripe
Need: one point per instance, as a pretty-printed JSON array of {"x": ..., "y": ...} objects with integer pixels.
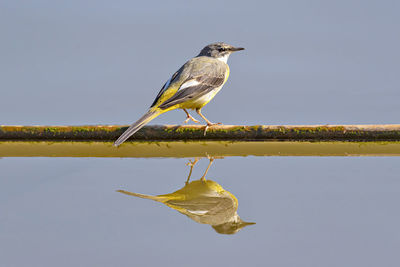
[
  {"x": 198, "y": 212},
  {"x": 189, "y": 83}
]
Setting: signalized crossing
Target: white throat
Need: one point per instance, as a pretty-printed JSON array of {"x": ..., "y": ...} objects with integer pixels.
[{"x": 224, "y": 58}]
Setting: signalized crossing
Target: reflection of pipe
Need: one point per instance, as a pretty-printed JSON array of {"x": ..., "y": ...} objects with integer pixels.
[
  {"x": 384, "y": 132},
  {"x": 203, "y": 201},
  {"x": 196, "y": 149}
]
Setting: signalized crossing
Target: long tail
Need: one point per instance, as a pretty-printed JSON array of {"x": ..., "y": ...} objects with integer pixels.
[
  {"x": 151, "y": 114},
  {"x": 155, "y": 198}
]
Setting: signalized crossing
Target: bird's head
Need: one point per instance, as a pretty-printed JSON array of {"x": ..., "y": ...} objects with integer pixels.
[
  {"x": 231, "y": 227},
  {"x": 219, "y": 50}
]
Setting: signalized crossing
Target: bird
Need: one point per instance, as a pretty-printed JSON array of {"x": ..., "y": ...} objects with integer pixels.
[
  {"x": 204, "y": 201},
  {"x": 191, "y": 87}
]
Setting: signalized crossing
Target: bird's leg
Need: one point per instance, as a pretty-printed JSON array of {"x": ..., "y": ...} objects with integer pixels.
[
  {"x": 203, "y": 178},
  {"x": 209, "y": 123},
  {"x": 191, "y": 164},
  {"x": 189, "y": 117}
]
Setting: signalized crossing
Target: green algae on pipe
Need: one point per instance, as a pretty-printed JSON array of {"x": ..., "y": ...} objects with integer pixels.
[
  {"x": 191, "y": 149},
  {"x": 384, "y": 132}
]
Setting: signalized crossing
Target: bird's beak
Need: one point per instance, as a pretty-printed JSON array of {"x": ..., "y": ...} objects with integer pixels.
[
  {"x": 243, "y": 224},
  {"x": 234, "y": 49}
]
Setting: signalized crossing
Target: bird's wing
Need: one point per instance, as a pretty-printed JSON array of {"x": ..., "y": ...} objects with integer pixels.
[
  {"x": 203, "y": 205},
  {"x": 167, "y": 85},
  {"x": 202, "y": 76}
]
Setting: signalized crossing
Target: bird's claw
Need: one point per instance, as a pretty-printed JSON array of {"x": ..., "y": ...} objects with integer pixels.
[
  {"x": 212, "y": 158},
  {"x": 205, "y": 130},
  {"x": 209, "y": 124},
  {"x": 191, "y": 163}
]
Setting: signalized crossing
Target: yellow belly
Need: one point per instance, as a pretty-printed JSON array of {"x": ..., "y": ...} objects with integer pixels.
[{"x": 201, "y": 101}]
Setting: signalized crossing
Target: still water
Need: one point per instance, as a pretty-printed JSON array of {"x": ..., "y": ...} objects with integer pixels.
[{"x": 236, "y": 211}]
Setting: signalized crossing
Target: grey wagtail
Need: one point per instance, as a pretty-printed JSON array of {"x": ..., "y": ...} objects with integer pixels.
[{"x": 191, "y": 87}]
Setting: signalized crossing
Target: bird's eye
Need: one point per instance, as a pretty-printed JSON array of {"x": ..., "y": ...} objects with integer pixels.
[{"x": 222, "y": 49}]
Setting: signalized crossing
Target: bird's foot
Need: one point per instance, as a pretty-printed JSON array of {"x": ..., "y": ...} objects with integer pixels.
[
  {"x": 192, "y": 163},
  {"x": 189, "y": 117},
  {"x": 212, "y": 158},
  {"x": 210, "y": 124}
]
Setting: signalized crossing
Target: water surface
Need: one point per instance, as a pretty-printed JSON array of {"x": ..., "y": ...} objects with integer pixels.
[{"x": 309, "y": 211}]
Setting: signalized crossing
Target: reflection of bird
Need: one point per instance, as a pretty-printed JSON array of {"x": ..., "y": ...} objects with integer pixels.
[
  {"x": 191, "y": 87},
  {"x": 203, "y": 201}
]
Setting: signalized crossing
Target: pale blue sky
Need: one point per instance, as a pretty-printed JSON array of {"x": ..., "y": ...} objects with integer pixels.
[{"x": 307, "y": 62}]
